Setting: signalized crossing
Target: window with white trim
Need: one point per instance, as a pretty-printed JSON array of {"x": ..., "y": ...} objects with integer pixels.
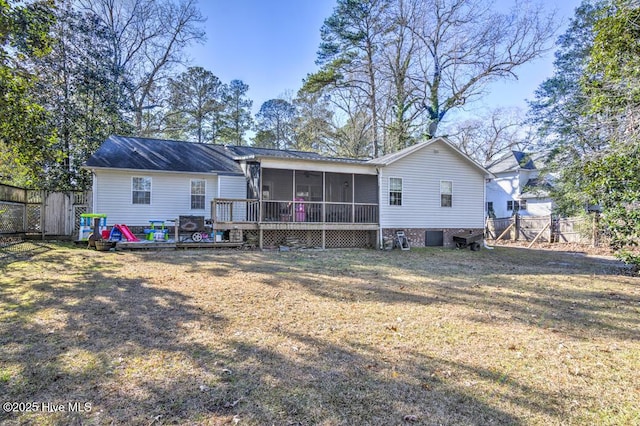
[
  {"x": 516, "y": 205},
  {"x": 141, "y": 190},
  {"x": 198, "y": 191},
  {"x": 446, "y": 193},
  {"x": 395, "y": 191}
]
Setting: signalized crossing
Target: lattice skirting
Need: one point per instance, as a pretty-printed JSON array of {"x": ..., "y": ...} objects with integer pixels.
[
  {"x": 11, "y": 218},
  {"x": 309, "y": 238},
  {"x": 348, "y": 239},
  {"x": 274, "y": 238}
]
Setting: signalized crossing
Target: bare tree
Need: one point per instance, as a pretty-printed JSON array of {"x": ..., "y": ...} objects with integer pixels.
[
  {"x": 464, "y": 45},
  {"x": 409, "y": 62},
  {"x": 353, "y": 126},
  {"x": 148, "y": 38},
  {"x": 489, "y": 138}
]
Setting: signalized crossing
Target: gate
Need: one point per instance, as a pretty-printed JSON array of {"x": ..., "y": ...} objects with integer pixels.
[
  {"x": 45, "y": 213},
  {"x": 543, "y": 228}
]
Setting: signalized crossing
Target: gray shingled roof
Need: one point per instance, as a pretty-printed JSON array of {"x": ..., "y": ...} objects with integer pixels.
[
  {"x": 513, "y": 161},
  {"x": 249, "y": 152},
  {"x": 123, "y": 152}
]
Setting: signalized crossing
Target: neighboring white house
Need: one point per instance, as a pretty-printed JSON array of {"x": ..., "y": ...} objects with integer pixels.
[
  {"x": 517, "y": 188},
  {"x": 430, "y": 190}
]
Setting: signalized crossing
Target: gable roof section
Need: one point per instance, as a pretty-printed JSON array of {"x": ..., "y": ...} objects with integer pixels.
[
  {"x": 121, "y": 152},
  {"x": 513, "y": 161},
  {"x": 391, "y": 158},
  {"x": 524, "y": 160}
]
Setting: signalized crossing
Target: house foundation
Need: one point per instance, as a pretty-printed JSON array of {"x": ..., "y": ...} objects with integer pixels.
[{"x": 429, "y": 237}]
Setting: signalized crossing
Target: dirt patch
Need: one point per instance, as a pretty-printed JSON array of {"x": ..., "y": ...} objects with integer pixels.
[{"x": 564, "y": 247}]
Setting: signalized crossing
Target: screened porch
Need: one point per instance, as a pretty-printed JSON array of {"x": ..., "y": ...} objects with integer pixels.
[{"x": 304, "y": 197}]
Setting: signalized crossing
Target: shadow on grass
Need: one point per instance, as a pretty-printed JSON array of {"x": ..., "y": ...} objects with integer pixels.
[
  {"x": 484, "y": 280},
  {"x": 92, "y": 335},
  {"x": 132, "y": 348},
  {"x": 78, "y": 337},
  {"x": 556, "y": 293},
  {"x": 21, "y": 250},
  {"x": 355, "y": 387}
]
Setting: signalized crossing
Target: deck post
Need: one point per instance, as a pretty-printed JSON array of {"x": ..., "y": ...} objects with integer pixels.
[
  {"x": 353, "y": 198},
  {"x": 260, "y": 238}
]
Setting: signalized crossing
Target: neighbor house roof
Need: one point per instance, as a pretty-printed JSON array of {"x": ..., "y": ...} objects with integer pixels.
[
  {"x": 536, "y": 188},
  {"x": 385, "y": 160},
  {"x": 514, "y": 160},
  {"x": 121, "y": 152}
]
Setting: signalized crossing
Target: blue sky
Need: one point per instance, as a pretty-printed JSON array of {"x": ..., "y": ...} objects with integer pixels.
[{"x": 271, "y": 45}]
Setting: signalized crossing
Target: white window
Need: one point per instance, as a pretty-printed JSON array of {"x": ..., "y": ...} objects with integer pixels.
[
  {"x": 141, "y": 190},
  {"x": 517, "y": 205},
  {"x": 446, "y": 193},
  {"x": 395, "y": 191},
  {"x": 198, "y": 191}
]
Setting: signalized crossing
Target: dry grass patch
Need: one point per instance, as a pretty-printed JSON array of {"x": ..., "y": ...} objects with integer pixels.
[{"x": 507, "y": 336}]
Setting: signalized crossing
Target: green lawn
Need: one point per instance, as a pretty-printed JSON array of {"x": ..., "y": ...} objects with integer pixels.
[{"x": 342, "y": 337}]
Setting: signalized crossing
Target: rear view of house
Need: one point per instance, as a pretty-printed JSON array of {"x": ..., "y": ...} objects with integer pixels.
[{"x": 429, "y": 190}]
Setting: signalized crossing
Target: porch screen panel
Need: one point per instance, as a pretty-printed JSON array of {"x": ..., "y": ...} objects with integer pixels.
[
  {"x": 277, "y": 195},
  {"x": 309, "y": 185},
  {"x": 366, "y": 189},
  {"x": 278, "y": 184},
  {"x": 339, "y": 188}
]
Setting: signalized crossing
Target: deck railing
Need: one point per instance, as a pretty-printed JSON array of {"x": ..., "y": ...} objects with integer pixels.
[
  {"x": 235, "y": 210},
  {"x": 253, "y": 211}
]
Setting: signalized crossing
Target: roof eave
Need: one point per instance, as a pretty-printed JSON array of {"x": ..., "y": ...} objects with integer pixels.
[
  {"x": 313, "y": 160},
  {"x": 210, "y": 173}
]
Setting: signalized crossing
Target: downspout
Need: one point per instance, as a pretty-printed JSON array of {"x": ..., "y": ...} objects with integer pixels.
[
  {"x": 484, "y": 215},
  {"x": 94, "y": 194},
  {"x": 380, "y": 239}
]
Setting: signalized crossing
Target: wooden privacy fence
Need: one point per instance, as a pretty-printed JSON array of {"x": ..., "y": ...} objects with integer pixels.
[
  {"x": 24, "y": 211},
  {"x": 544, "y": 229}
]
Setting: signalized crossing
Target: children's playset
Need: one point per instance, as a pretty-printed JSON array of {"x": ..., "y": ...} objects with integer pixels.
[{"x": 94, "y": 231}]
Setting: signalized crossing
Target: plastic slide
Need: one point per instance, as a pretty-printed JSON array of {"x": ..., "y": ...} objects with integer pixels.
[{"x": 126, "y": 232}]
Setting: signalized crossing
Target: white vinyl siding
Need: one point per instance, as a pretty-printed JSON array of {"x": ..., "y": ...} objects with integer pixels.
[
  {"x": 234, "y": 187},
  {"x": 421, "y": 172},
  {"x": 171, "y": 196}
]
